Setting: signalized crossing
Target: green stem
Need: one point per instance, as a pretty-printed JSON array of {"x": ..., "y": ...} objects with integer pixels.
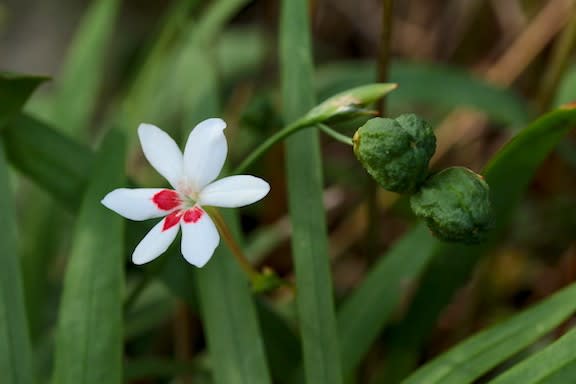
[
  {"x": 335, "y": 135},
  {"x": 245, "y": 264},
  {"x": 269, "y": 143}
]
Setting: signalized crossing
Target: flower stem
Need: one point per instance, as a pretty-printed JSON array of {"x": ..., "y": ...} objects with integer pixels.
[
  {"x": 335, "y": 135},
  {"x": 245, "y": 264},
  {"x": 265, "y": 146}
]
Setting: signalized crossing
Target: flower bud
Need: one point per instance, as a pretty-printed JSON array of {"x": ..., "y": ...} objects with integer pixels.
[
  {"x": 348, "y": 104},
  {"x": 396, "y": 152},
  {"x": 455, "y": 203}
]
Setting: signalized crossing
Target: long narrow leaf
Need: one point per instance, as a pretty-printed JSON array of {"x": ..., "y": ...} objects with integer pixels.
[
  {"x": 304, "y": 170},
  {"x": 554, "y": 364},
  {"x": 15, "y": 89},
  {"x": 15, "y": 357},
  {"x": 89, "y": 336},
  {"x": 366, "y": 311},
  {"x": 483, "y": 351},
  {"x": 36, "y": 149},
  {"x": 79, "y": 83}
]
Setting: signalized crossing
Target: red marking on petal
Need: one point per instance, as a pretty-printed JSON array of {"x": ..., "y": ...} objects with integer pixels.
[
  {"x": 193, "y": 215},
  {"x": 167, "y": 200},
  {"x": 171, "y": 220}
]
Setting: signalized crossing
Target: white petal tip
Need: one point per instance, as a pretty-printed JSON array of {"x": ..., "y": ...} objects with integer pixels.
[
  {"x": 144, "y": 127},
  {"x": 199, "y": 265},
  {"x": 138, "y": 262},
  {"x": 215, "y": 123},
  {"x": 107, "y": 200}
]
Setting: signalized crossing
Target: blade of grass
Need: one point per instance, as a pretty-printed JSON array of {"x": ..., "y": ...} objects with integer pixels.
[
  {"x": 363, "y": 315},
  {"x": 315, "y": 304},
  {"x": 36, "y": 150},
  {"x": 89, "y": 335},
  {"x": 84, "y": 68},
  {"x": 15, "y": 89},
  {"x": 475, "y": 356},
  {"x": 148, "y": 368},
  {"x": 15, "y": 355},
  {"x": 508, "y": 173},
  {"x": 554, "y": 364}
]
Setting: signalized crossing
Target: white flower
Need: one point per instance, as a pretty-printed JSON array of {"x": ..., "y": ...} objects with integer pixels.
[{"x": 191, "y": 175}]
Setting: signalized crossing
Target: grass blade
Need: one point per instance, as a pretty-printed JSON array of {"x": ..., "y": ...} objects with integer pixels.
[
  {"x": 15, "y": 355},
  {"x": 89, "y": 336},
  {"x": 64, "y": 177},
  {"x": 366, "y": 311},
  {"x": 15, "y": 89},
  {"x": 304, "y": 170},
  {"x": 78, "y": 85},
  {"x": 554, "y": 364},
  {"x": 483, "y": 351}
]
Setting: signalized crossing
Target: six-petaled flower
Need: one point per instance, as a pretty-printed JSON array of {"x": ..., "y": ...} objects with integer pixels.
[{"x": 192, "y": 176}]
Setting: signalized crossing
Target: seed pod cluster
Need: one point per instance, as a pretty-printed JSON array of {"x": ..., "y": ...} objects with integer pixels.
[{"x": 455, "y": 202}]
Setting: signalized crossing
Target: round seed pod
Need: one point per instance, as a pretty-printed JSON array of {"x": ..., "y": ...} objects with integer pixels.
[
  {"x": 455, "y": 203},
  {"x": 396, "y": 152}
]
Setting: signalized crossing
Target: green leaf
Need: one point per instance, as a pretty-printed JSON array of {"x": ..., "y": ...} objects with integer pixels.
[
  {"x": 15, "y": 356},
  {"x": 283, "y": 347},
  {"x": 508, "y": 173},
  {"x": 15, "y": 89},
  {"x": 430, "y": 84},
  {"x": 477, "y": 355},
  {"x": 315, "y": 304},
  {"x": 89, "y": 335},
  {"x": 79, "y": 83},
  {"x": 230, "y": 321},
  {"x": 36, "y": 150},
  {"x": 148, "y": 368},
  {"x": 555, "y": 364},
  {"x": 363, "y": 315}
]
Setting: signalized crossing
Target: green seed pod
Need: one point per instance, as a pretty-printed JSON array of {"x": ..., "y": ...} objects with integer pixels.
[
  {"x": 396, "y": 152},
  {"x": 455, "y": 203}
]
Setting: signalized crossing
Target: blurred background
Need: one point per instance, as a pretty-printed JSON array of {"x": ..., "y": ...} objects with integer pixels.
[{"x": 478, "y": 70}]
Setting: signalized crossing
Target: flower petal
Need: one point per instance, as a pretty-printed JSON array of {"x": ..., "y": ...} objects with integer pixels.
[
  {"x": 234, "y": 191},
  {"x": 205, "y": 153},
  {"x": 155, "y": 243},
  {"x": 162, "y": 152},
  {"x": 141, "y": 203},
  {"x": 199, "y": 237}
]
